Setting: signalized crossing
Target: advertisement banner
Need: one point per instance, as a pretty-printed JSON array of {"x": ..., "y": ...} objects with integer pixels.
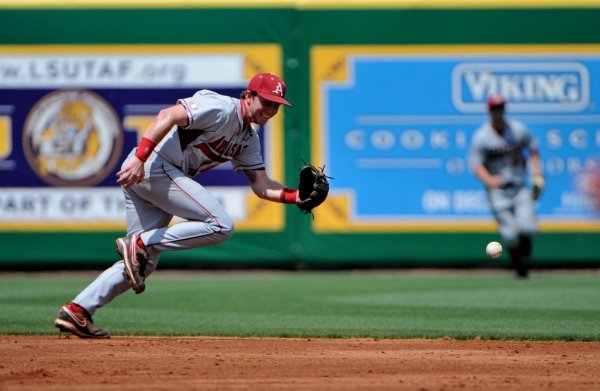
[
  {"x": 69, "y": 115},
  {"x": 393, "y": 125}
]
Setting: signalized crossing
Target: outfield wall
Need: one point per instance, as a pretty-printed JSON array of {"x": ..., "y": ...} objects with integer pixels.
[{"x": 386, "y": 96}]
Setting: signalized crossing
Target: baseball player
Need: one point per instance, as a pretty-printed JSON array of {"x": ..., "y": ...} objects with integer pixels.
[
  {"x": 192, "y": 136},
  {"x": 498, "y": 157}
]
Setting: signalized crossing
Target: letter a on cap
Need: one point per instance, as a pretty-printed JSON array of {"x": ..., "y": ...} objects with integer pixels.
[{"x": 278, "y": 89}]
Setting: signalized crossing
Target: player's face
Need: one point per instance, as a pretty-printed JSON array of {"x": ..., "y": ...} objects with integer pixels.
[
  {"x": 262, "y": 110},
  {"x": 497, "y": 114},
  {"x": 497, "y": 110}
]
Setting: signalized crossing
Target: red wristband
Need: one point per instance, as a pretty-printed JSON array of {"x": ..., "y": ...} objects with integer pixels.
[
  {"x": 288, "y": 196},
  {"x": 145, "y": 149}
]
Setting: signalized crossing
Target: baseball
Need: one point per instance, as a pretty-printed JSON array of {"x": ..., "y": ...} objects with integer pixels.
[{"x": 493, "y": 249}]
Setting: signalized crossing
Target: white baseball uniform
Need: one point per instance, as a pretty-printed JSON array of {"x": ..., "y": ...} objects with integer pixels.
[
  {"x": 216, "y": 134},
  {"x": 504, "y": 155}
]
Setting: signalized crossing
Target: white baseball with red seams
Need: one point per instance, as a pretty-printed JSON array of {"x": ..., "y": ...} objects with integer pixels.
[{"x": 493, "y": 249}]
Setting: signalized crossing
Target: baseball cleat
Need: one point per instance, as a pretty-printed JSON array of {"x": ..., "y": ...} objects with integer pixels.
[
  {"x": 135, "y": 259},
  {"x": 80, "y": 325}
]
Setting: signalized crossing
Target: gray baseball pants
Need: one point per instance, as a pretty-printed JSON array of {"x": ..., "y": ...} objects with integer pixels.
[
  {"x": 150, "y": 207},
  {"x": 514, "y": 211}
]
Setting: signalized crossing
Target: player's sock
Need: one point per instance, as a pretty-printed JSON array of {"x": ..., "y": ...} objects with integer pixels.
[
  {"x": 76, "y": 308},
  {"x": 518, "y": 261},
  {"x": 140, "y": 243},
  {"x": 525, "y": 245}
]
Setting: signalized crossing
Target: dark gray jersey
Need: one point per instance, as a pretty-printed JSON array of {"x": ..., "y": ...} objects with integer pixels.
[{"x": 505, "y": 154}]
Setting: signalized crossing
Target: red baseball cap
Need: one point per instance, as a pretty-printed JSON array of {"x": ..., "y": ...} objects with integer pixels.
[
  {"x": 270, "y": 87},
  {"x": 495, "y": 101}
]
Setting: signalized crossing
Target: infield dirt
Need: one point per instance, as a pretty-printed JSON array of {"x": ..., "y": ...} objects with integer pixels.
[{"x": 207, "y": 363}]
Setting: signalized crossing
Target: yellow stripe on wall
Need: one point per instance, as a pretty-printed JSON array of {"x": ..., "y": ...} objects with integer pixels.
[{"x": 300, "y": 4}]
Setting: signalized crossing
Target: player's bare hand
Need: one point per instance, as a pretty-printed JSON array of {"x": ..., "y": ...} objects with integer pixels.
[
  {"x": 132, "y": 173},
  {"x": 494, "y": 182}
]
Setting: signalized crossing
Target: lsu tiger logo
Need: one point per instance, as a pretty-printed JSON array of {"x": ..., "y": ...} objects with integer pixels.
[{"x": 72, "y": 138}]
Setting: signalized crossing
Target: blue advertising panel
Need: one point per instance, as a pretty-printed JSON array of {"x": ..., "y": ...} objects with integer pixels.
[
  {"x": 69, "y": 115},
  {"x": 394, "y": 129}
]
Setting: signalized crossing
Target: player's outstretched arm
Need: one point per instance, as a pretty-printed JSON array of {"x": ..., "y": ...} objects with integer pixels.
[
  {"x": 312, "y": 189},
  {"x": 268, "y": 189}
]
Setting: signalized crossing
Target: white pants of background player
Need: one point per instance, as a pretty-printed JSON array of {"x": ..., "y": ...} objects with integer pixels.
[
  {"x": 150, "y": 206},
  {"x": 514, "y": 210}
]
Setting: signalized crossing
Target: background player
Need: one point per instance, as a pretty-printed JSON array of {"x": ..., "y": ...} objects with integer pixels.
[
  {"x": 192, "y": 136},
  {"x": 498, "y": 158}
]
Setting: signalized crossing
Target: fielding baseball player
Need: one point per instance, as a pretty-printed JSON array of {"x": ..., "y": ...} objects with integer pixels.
[
  {"x": 498, "y": 158},
  {"x": 192, "y": 136}
]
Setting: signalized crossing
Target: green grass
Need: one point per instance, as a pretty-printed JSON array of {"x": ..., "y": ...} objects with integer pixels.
[{"x": 387, "y": 304}]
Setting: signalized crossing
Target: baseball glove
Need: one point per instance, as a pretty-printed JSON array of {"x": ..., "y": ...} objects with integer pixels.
[
  {"x": 313, "y": 188},
  {"x": 539, "y": 184}
]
